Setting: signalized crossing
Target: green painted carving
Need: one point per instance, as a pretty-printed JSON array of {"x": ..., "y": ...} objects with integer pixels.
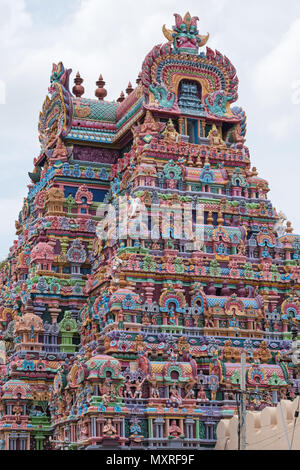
[
  {"x": 236, "y": 377},
  {"x": 67, "y": 328},
  {"x": 163, "y": 96}
]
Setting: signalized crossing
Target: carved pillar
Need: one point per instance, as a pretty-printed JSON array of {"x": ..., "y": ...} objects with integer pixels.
[
  {"x": 189, "y": 428},
  {"x": 181, "y": 426},
  {"x": 54, "y": 312},
  {"x": 150, "y": 428},
  {"x": 149, "y": 291}
]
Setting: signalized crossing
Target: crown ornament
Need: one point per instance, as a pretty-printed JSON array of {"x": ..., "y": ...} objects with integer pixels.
[{"x": 185, "y": 34}]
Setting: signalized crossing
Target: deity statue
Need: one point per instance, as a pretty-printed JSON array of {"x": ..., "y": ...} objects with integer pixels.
[
  {"x": 121, "y": 320},
  {"x": 228, "y": 392},
  {"x": 227, "y": 351},
  {"x": 172, "y": 320},
  {"x": 208, "y": 316},
  {"x": 139, "y": 344},
  {"x": 127, "y": 393},
  {"x": 264, "y": 352},
  {"x": 175, "y": 431},
  {"x": 60, "y": 152},
  {"x": 202, "y": 395},
  {"x": 145, "y": 320},
  {"x": 292, "y": 394},
  {"x": 135, "y": 430},
  {"x": 170, "y": 134},
  {"x": 17, "y": 411},
  {"x": 213, "y": 386},
  {"x": 190, "y": 394},
  {"x": 173, "y": 356},
  {"x": 83, "y": 431},
  {"x": 108, "y": 391},
  {"x": 154, "y": 389},
  {"x": 138, "y": 393},
  {"x": 109, "y": 430},
  {"x": 279, "y": 227},
  {"x": 175, "y": 396},
  {"x": 283, "y": 393},
  {"x": 215, "y": 139},
  {"x": 242, "y": 248},
  {"x": 268, "y": 398}
]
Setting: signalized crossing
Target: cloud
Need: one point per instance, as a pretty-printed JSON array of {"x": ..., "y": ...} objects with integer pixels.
[
  {"x": 277, "y": 83},
  {"x": 14, "y": 21},
  {"x": 276, "y": 72}
]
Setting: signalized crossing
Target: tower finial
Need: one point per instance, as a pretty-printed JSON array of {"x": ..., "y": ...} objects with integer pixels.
[
  {"x": 129, "y": 88},
  {"x": 101, "y": 92},
  {"x": 78, "y": 89},
  {"x": 122, "y": 97}
]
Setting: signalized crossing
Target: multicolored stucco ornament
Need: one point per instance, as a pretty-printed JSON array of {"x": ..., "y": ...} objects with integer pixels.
[{"x": 185, "y": 35}]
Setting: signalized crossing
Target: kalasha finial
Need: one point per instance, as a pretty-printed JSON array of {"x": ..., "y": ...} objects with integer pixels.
[
  {"x": 100, "y": 93},
  {"x": 122, "y": 97},
  {"x": 78, "y": 89},
  {"x": 129, "y": 89}
]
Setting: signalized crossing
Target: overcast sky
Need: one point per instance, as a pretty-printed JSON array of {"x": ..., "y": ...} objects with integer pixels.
[{"x": 260, "y": 37}]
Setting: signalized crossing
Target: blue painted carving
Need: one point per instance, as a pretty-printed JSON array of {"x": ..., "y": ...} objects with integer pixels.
[
  {"x": 190, "y": 99},
  {"x": 163, "y": 96},
  {"x": 207, "y": 175}
]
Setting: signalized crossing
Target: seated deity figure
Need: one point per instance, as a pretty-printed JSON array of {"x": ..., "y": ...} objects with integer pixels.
[
  {"x": 109, "y": 429},
  {"x": 146, "y": 320},
  {"x": 135, "y": 429},
  {"x": 202, "y": 395},
  {"x": 170, "y": 134},
  {"x": 215, "y": 138},
  {"x": 175, "y": 431},
  {"x": 189, "y": 388},
  {"x": 190, "y": 394}
]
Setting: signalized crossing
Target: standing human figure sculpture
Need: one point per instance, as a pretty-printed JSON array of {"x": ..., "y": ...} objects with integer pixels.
[
  {"x": 154, "y": 390},
  {"x": 138, "y": 393},
  {"x": 175, "y": 397}
]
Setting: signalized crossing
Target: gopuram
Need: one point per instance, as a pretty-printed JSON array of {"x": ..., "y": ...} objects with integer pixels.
[{"x": 147, "y": 259}]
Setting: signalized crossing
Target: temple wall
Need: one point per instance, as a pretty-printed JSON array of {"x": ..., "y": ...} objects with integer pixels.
[{"x": 270, "y": 429}]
